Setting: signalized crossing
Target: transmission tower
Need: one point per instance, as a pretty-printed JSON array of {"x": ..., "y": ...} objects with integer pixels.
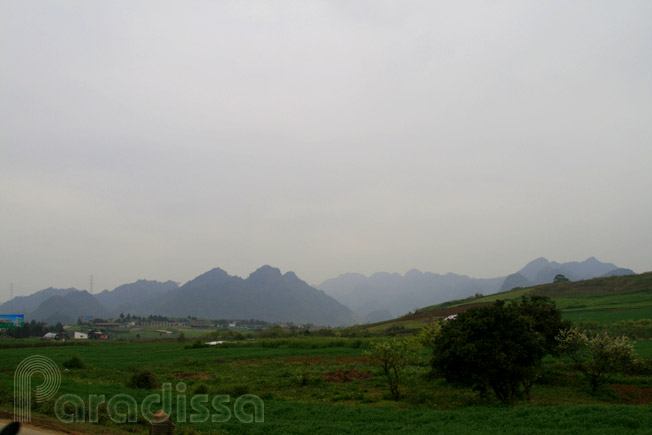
[{"x": 91, "y": 283}]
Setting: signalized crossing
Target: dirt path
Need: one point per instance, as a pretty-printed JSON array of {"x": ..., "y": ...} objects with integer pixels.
[{"x": 30, "y": 430}]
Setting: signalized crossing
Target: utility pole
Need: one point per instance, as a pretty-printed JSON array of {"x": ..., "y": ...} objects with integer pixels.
[
  {"x": 91, "y": 284},
  {"x": 11, "y": 291}
]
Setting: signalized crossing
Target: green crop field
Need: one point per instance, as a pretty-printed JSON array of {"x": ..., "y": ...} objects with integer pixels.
[
  {"x": 609, "y": 315},
  {"x": 305, "y": 389}
]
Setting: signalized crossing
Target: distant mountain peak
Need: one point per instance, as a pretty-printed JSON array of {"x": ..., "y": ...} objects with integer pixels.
[
  {"x": 213, "y": 274},
  {"x": 265, "y": 272},
  {"x": 291, "y": 276},
  {"x": 413, "y": 273}
]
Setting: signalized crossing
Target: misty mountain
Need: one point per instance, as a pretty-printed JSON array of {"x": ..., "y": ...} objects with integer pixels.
[
  {"x": 377, "y": 316},
  {"x": 27, "y": 304},
  {"x": 266, "y": 295},
  {"x": 66, "y": 309},
  {"x": 123, "y": 298},
  {"x": 542, "y": 271},
  {"x": 514, "y": 280},
  {"x": 398, "y": 294}
]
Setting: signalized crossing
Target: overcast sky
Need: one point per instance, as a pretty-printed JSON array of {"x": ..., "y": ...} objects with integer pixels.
[{"x": 158, "y": 140}]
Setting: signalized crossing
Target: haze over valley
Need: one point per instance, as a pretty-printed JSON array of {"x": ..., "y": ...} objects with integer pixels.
[{"x": 271, "y": 296}]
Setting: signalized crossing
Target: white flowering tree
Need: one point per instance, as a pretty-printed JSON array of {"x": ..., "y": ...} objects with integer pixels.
[{"x": 596, "y": 356}]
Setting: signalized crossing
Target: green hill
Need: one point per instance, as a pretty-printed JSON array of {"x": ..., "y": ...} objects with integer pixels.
[{"x": 604, "y": 300}]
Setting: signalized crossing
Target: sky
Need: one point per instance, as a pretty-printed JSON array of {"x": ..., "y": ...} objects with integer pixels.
[{"x": 160, "y": 139}]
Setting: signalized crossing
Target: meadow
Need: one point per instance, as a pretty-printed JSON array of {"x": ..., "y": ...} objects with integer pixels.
[{"x": 327, "y": 385}]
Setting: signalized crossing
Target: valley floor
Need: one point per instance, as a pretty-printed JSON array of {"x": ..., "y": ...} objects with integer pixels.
[{"x": 326, "y": 385}]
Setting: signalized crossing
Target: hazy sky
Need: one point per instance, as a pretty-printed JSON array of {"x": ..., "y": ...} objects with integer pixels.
[{"x": 160, "y": 139}]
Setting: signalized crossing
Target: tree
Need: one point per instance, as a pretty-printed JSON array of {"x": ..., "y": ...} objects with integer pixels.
[
  {"x": 491, "y": 347},
  {"x": 545, "y": 316},
  {"x": 393, "y": 356},
  {"x": 560, "y": 278},
  {"x": 597, "y": 356}
]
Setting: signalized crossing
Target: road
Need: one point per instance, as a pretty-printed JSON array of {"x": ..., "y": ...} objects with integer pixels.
[{"x": 30, "y": 430}]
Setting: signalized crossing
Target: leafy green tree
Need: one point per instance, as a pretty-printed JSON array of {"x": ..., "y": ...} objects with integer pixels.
[
  {"x": 429, "y": 333},
  {"x": 597, "y": 356},
  {"x": 393, "y": 356},
  {"x": 491, "y": 347},
  {"x": 545, "y": 317}
]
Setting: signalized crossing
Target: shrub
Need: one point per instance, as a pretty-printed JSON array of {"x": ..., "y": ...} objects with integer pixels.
[
  {"x": 144, "y": 381},
  {"x": 74, "y": 363},
  {"x": 597, "y": 356},
  {"x": 196, "y": 345},
  {"x": 393, "y": 356}
]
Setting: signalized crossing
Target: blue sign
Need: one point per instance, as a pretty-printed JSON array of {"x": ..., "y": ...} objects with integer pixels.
[{"x": 12, "y": 320}]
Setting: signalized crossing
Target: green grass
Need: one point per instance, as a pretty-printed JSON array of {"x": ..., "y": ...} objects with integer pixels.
[
  {"x": 609, "y": 315},
  {"x": 288, "y": 374},
  {"x": 621, "y": 300},
  {"x": 301, "y": 418},
  {"x": 644, "y": 348}
]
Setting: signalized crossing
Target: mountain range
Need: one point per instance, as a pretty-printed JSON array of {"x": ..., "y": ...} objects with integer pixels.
[
  {"x": 269, "y": 295},
  {"x": 383, "y": 296},
  {"x": 265, "y": 295}
]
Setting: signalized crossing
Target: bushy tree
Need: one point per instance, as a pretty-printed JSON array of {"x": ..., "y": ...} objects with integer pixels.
[
  {"x": 545, "y": 317},
  {"x": 597, "y": 356},
  {"x": 429, "y": 333},
  {"x": 393, "y": 356},
  {"x": 491, "y": 347}
]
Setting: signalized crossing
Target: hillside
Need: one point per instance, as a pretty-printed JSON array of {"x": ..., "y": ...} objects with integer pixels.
[
  {"x": 392, "y": 294},
  {"x": 604, "y": 300}
]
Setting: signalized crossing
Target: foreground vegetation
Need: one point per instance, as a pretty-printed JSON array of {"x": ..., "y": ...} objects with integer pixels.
[
  {"x": 367, "y": 380},
  {"x": 327, "y": 385}
]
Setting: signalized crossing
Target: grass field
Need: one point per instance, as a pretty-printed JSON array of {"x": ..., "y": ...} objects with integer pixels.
[
  {"x": 307, "y": 387},
  {"x": 609, "y": 315}
]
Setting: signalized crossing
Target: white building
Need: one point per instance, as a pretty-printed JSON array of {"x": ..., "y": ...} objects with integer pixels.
[{"x": 80, "y": 336}]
